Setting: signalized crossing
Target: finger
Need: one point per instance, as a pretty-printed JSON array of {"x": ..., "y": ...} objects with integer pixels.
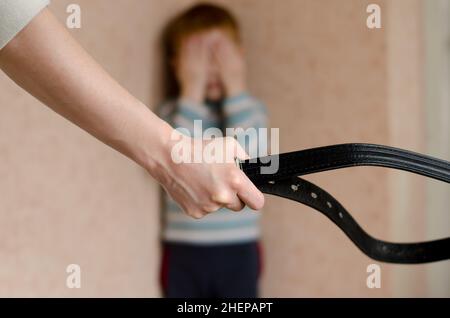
[
  {"x": 194, "y": 46},
  {"x": 189, "y": 209},
  {"x": 226, "y": 46},
  {"x": 204, "y": 44},
  {"x": 187, "y": 52},
  {"x": 184, "y": 201},
  {"x": 204, "y": 51},
  {"x": 249, "y": 193},
  {"x": 223, "y": 197},
  {"x": 216, "y": 56},
  {"x": 230, "y": 50},
  {"x": 236, "y": 205},
  {"x": 210, "y": 208},
  {"x": 222, "y": 49},
  {"x": 197, "y": 212},
  {"x": 212, "y": 39}
]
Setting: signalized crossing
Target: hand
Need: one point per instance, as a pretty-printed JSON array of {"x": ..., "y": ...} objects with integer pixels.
[
  {"x": 230, "y": 60},
  {"x": 192, "y": 67},
  {"x": 202, "y": 188}
]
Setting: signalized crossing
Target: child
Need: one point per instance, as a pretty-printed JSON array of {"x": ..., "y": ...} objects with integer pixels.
[{"x": 217, "y": 256}]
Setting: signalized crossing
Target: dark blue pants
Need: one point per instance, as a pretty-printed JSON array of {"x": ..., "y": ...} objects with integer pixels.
[{"x": 221, "y": 271}]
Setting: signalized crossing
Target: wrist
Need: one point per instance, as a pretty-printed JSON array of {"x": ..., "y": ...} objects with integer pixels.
[
  {"x": 155, "y": 150},
  {"x": 236, "y": 98},
  {"x": 235, "y": 89},
  {"x": 164, "y": 166}
]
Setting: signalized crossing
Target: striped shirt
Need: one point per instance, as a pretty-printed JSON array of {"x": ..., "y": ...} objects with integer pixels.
[{"x": 223, "y": 226}]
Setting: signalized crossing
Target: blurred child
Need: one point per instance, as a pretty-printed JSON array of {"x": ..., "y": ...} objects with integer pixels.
[{"x": 217, "y": 256}]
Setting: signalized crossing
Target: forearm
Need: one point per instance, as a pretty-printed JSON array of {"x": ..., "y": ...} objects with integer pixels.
[{"x": 48, "y": 63}]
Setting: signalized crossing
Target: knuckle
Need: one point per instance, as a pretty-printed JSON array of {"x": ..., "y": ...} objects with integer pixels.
[
  {"x": 194, "y": 213},
  {"x": 197, "y": 215},
  {"x": 236, "y": 208},
  {"x": 219, "y": 196},
  {"x": 210, "y": 208},
  {"x": 236, "y": 181}
]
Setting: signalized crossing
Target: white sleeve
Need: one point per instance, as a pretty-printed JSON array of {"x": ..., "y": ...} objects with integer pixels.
[{"x": 15, "y": 15}]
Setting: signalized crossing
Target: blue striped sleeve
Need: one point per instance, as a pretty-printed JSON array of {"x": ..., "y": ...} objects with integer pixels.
[{"x": 244, "y": 111}]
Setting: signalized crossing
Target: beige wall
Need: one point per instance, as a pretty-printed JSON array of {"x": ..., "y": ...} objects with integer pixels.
[{"x": 326, "y": 78}]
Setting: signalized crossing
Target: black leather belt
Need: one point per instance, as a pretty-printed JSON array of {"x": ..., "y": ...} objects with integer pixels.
[{"x": 287, "y": 184}]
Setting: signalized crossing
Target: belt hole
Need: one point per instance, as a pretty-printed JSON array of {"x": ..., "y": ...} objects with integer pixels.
[
  {"x": 329, "y": 204},
  {"x": 314, "y": 195}
]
